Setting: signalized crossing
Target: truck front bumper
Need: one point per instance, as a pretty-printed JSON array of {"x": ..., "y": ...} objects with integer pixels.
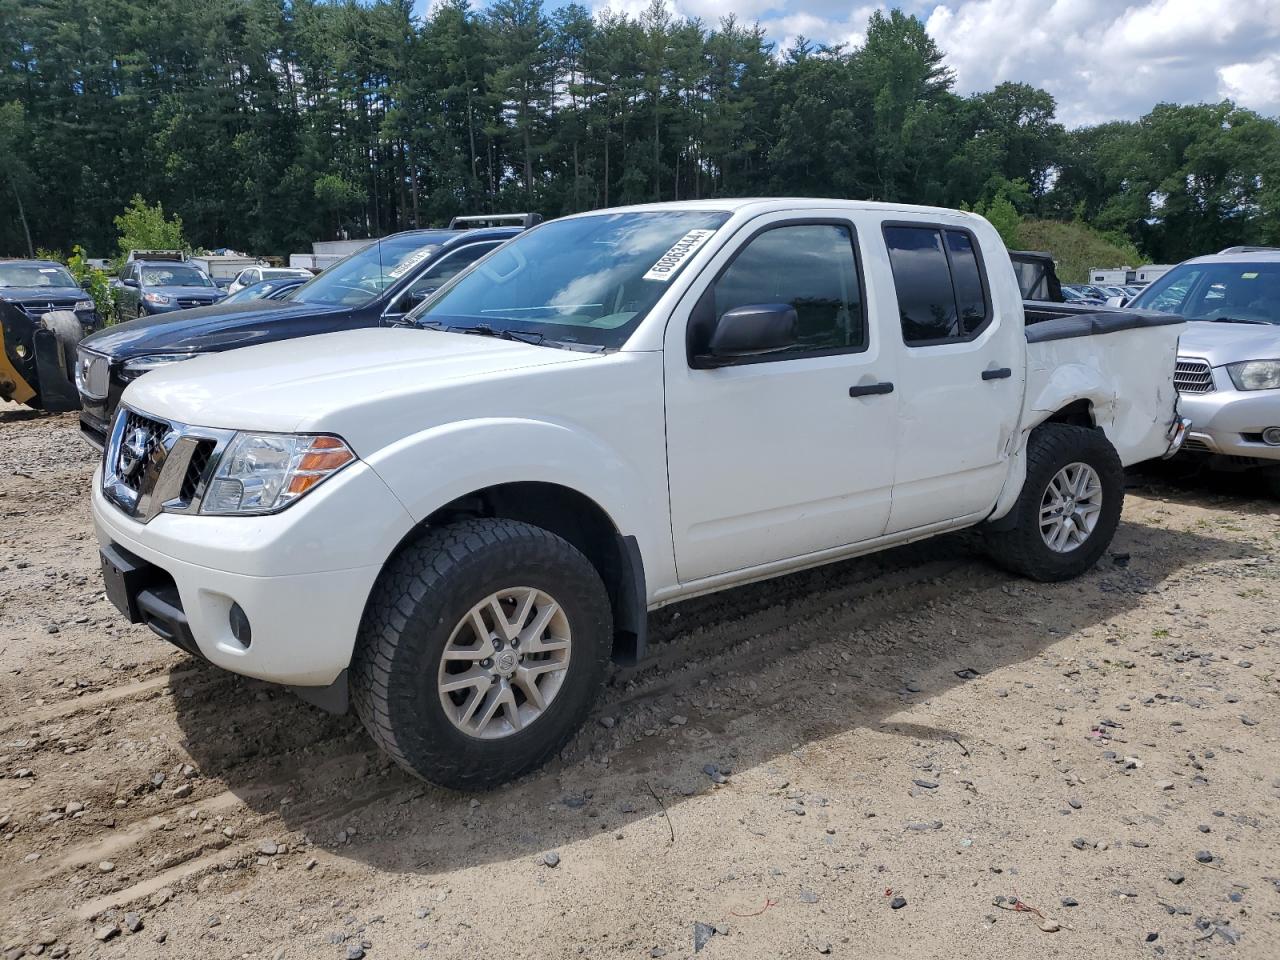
[{"x": 196, "y": 580}]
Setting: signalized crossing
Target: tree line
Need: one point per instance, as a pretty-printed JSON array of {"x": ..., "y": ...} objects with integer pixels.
[{"x": 268, "y": 124}]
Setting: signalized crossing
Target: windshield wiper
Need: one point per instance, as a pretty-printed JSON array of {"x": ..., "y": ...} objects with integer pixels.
[
  {"x": 1239, "y": 320},
  {"x": 484, "y": 330}
]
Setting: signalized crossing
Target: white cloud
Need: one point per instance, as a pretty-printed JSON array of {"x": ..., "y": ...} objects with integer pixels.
[
  {"x": 1255, "y": 85},
  {"x": 1101, "y": 59},
  {"x": 1105, "y": 60}
]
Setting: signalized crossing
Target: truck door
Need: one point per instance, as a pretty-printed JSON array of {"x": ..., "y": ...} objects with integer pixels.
[
  {"x": 771, "y": 457},
  {"x": 961, "y": 366}
]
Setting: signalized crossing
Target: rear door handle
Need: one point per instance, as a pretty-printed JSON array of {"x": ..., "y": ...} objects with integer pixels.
[
  {"x": 870, "y": 389},
  {"x": 1002, "y": 373}
]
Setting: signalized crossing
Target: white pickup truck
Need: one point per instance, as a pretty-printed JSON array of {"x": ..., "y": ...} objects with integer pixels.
[{"x": 461, "y": 519}]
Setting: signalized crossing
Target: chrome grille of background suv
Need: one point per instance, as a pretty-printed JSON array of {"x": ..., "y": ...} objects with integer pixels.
[
  {"x": 1192, "y": 376},
  {"x": 92, "y": 373},
  {"x": 152, "y": 465}
]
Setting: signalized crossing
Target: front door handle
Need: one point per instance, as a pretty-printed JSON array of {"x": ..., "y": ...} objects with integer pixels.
[
  {"x": 1003, "y": 373},
  {"x": 870, "y": 389}
]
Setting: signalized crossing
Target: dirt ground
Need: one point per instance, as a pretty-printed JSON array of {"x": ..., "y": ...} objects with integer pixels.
[{"x": 1036, "y": 770}]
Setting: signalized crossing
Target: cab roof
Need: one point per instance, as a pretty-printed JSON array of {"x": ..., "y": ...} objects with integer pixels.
[{"x": 760, "y": 205}]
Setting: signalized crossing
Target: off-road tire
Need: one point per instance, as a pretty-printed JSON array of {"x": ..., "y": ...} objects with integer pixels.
[
  {"x": 418, "y": 600},
  {"x": 1021, "y": 549}
]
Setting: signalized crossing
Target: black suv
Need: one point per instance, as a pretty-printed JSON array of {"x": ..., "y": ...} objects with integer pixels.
[
  {"x": 375, "y": 286},
  {"x": 148, "y": 287},
  {"x": 36, "y": 355}
]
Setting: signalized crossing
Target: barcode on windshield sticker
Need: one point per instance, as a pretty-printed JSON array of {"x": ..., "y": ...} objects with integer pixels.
[
  {"x": 409, "y": 262},
  {"x": 680, "y": 251}
]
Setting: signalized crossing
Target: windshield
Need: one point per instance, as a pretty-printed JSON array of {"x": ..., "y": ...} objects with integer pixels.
[
  {"x": 584, "y": 280},
  {"x": 361, "y": 277},
  {"x": 174, "y": 275},
  {"x": 1225, "y": 291},
  {"x": 35, "y": 275}
]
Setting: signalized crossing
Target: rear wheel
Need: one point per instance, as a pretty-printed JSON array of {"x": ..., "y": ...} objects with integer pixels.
[
  {"x": 481, "y": 653},
  {"x": 1069, "y": 508}
]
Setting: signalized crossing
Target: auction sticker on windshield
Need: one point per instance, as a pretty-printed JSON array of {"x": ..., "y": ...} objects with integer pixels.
[{"x": 680, "y": 251}]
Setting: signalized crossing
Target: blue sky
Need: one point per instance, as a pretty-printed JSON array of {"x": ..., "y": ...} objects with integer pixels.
[{"x": 1101, "y": 59}]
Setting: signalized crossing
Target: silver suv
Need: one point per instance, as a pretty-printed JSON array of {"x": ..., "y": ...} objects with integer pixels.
[{"x": 1228, "y": 372}]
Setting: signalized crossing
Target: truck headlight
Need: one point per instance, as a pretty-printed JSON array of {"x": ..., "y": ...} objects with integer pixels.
[
  {"x": 265, "y": 472},
  {"x": 159, "y": 298},
  {"x": 140, "y": 365},
  {"x": 1255, "y": 374},
  {"x": 82, "y": 305}
]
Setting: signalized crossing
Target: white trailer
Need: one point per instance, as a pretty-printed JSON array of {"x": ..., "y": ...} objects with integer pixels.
[
  {"x": 1112, "y": 276},
  {"x": 225, "y": 266}
]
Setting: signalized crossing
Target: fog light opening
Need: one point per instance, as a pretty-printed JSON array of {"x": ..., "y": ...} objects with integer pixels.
[
  {"x": 1271, "y": 435},
  {"x": 240, "y": 628}
]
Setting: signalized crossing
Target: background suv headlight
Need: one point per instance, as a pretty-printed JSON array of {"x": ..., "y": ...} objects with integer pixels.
[
  {"x": 159, "y": 298},
  {"x": 140, "y": 365},
  {"x": 265, "y": 472},
  {"x": 1255, "y": 374}
]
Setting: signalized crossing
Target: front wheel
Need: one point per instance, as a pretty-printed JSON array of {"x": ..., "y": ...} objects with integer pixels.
[
  {"x": 481, "y": 652},
  {"x": 1069, "y": 507}
]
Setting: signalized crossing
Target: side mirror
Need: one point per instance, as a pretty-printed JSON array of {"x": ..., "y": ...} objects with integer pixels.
[
  {"x": 130, "y": 282},
  {"x": 1115, "y": 302},
  {"x": 751, "y": 330}
]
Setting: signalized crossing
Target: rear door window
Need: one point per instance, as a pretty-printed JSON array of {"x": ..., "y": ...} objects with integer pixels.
[{"x": 938, "y": 279}]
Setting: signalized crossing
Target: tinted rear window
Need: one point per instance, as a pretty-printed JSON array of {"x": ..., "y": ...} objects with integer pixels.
[{"x": 938, "y": 280}]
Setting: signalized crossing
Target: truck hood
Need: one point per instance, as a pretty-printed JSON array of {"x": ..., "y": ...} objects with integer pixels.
[
  {"x": 207, "y": 329},
  {"x": 1223, "y": 343},
  {"x": 320, "y": 383}
]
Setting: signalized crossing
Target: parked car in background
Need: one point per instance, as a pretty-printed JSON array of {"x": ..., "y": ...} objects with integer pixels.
[
  {"x": 376, "y": 286},
  {"x": 1229, "y": 359},
  {"x": 273, "y": 289},
  {"x": 1073, "y": 293},
  {"x": 150, "y": 287},
  {"x": 43, "y": 316},
  {"x": 257, "y": 274},
  {"x": 459, "y": 521}
]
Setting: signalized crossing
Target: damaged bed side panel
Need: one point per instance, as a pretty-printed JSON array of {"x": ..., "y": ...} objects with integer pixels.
[{"x": 1125, "y": 376}]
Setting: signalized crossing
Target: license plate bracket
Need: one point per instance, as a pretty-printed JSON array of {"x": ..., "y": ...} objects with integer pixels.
[{"x": 124, "y": 575}]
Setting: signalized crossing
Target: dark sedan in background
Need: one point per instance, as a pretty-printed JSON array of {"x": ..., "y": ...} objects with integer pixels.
[
  {"x": 375, "y": 286},
  {"x": 274, "y": 289}
]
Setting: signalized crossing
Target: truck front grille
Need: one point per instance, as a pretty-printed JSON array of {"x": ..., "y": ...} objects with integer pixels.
[
  {"x": 151, "y": 465},
  {"x": 196, "y": 467},
  {"x": 1192, "y": 376},
  {"x": 142, "y": 444}
]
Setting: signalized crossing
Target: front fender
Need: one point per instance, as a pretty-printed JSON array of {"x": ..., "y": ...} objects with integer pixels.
[{"x": 434, "y": 467}]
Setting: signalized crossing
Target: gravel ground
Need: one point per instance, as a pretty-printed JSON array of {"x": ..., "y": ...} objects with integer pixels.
[{"x": 908, "y": 755}]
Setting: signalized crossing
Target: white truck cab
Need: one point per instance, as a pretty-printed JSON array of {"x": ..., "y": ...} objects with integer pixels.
[{"x": 460, "y": 520}]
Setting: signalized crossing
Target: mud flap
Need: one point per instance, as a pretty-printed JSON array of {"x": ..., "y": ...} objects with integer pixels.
[{"x": 54, "y": 378}]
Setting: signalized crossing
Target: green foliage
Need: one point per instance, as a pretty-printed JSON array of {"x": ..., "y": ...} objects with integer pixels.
[
  {"x": 1077, "y": 247},
  {"x": 267, "y": 124},
  {"x": 143, "y": 227},
  {"x": 95, "y": 282},
  {"x": 1005, "y": 218}
]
